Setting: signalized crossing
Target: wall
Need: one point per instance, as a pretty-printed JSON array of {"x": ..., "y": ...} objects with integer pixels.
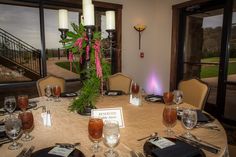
[{"x": 153, "y": 71}]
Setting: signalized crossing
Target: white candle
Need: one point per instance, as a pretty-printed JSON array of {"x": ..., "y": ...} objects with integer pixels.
[
  {"x": 86, "y": 2},
  {"x": 110, "y": 20},
  {"x": 88, "y": 13},
  {"x": 63, "y": 19}
]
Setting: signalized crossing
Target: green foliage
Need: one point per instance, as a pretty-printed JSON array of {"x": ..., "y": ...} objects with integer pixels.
[{"x": 90, "y": 90}]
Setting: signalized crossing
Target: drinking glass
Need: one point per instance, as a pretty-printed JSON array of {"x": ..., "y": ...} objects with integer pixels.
[
  {"x": 189, "y": 120},
  {"x": 27, "y": 120},
  {"x": 10, "y": 104},
  {"x": 48, "y": 92},
  {"x": 95, "y": 128},
  {"x": 169, "y": 118},
  {"x": 57, "y": 93},
  {"x": 111, "y": 137},
  {"x": 23, "y": 102},
  {"x": 135, "y": 89},
  {"x": 178, "y": 97},
  {"x": 13, "y": 131},
  {"x": 168, "y": 97}
]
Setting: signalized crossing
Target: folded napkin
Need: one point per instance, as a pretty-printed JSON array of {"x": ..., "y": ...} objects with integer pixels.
[
  {"x": 201, "y": 117},
  {"x": 180, "y": 149}
]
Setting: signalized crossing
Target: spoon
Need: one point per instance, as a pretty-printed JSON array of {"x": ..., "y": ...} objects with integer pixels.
[{"x": 153, "y": 135}]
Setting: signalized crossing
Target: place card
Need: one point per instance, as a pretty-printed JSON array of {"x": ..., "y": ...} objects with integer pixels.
[
  {"x": 135, "y": 101},
  {"x": 110, "y": 114},
  {"x": 65, "y": 152},
  {"x": 162, "y": 142}
]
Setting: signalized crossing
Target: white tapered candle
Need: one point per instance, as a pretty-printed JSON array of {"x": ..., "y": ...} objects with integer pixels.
[
  {"x": 110, "y": 20},
  {"x": 63, "y": 19},
  {"x": 88, "y": 13}
]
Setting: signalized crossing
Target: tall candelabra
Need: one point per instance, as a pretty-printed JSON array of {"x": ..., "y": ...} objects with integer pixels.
[{"x": 112, "y": 50}]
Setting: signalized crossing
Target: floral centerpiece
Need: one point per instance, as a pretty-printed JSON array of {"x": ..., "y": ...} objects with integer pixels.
[{"x": 93, "y": 69}]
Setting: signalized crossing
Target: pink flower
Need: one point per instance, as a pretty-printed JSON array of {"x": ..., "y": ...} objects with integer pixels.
[
  {"x": 71, "y": 56},
  {"x": 78, "y": 42},
  {"x": 87, "y": 52},
  {"x": 97, "y": 59}
]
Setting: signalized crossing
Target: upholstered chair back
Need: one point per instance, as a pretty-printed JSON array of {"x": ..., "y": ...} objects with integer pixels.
[{"x": 119, "y": 81}]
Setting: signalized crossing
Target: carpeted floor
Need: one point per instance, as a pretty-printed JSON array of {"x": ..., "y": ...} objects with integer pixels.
[{"x": 231, "y": 133}]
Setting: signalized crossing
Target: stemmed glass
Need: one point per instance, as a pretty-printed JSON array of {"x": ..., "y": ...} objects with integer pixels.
[
  {"x": 178, "y": 97},
  {"x": 27, "y": 120},
  {"x": 168, "y": 97},
  {"x": 10, "y": 104},
  {"x": 111, "y": 137},
  {"x": 169, "y": 118},
  {"x": 95, "y": 128},
  {"x": 135, "y": 89},
  {"x": 23, "y": 102},
  {"x": 189, "y": 120},
  {"x": 57, "y": 92},
  {"x": 48, "y": 92},
  {"x": 13, "y": 131}
]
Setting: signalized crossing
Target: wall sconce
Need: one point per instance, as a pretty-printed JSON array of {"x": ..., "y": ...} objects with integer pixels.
[{"x": 139, "y": 28}]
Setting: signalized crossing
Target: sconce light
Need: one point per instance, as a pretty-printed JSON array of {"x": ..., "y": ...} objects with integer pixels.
[{"x": 139, "y": 28}]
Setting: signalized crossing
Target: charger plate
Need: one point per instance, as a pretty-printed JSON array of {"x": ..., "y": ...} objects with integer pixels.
[
  {"x": 149, "y": 147},
  {"x": 44, "y": 153}
]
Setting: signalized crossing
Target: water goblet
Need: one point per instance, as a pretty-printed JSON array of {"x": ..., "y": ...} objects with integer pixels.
[
  {"x": 169, "y": 118},
  {"x": 168, "y": 97},
  {"x": 27, "y": 120},
  {"x": 57, "y": 93},
  {"x": 178, "y": 97},
  {"x": 13, "y": 131},
  {"x": 48, "y": 92},
  {"x": 95, "y": 129},
  {"x": 10, "y": 104},
  {"x": 111, "y": 137},
  {"x": 23, "y": 102},
  {"x": 189, "y": 120}
]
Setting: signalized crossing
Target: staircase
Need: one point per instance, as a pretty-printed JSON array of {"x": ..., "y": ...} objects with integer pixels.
[{"x": 17, "y": 54}]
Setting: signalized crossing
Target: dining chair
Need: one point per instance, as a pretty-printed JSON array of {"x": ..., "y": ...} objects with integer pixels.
[
  {"x": 119, "y": 81},
  {"x": 49, "y": 80},
  {"x": 195, "y": 92}
]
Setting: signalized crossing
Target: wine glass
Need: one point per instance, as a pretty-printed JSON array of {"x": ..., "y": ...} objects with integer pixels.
[
  {"x": 10, "y": 104},
  {"x": 27, "y": 120},
  {"x": 178, "y": 97},
  {"x": 189, "y": 120},
  {"x": 135, "y": 89},
  {"x": 169, "y": 118},
  {"x": 13, "y": 131},
  {"x": 57, "y": 92},
  {"x": 23, "y": 102},
  {"x": 95, "y": 128},
  {"x": 168, "y": 97},
  {"x": 48, "y": 92},
  {"x": 111, "y": 137}
]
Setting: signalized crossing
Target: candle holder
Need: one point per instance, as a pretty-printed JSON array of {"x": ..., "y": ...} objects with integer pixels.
[
  {"x": 89, "y": 32},
  {"x": 111, "y": 37},
  {"x": 63, "y": 33},
  {"x": 140, "y": 28}
]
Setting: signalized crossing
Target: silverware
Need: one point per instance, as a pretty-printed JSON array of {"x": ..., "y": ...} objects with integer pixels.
[
  {"x": 153, "y": 135},
  {"x": 67, "y": 145},
  {"x": 198, "y": 144},
  {"x": 140, "y": 154},
  {"x": 202, "y": 141},
  {"x": 133, "y": 154},
  {"x": 29, "y": 152},
  {"x": 22, "y": 152}
]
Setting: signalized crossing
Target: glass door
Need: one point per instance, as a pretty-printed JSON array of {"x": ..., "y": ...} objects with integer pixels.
[
  {"x": 201, "y": 48},
  {"x": 230, "y": 101}
]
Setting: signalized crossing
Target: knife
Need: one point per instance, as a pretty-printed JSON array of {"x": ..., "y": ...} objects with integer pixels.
[
  {"x": 29, "y": 152},
  {"x": 198, "y": 144},
  {"x": 22, "y": 152}
]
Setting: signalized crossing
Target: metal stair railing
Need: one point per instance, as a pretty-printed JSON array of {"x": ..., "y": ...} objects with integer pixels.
[{"x": 18, "y": 51}]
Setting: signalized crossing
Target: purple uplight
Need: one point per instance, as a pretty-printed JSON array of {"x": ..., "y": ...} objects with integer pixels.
[{"x": 153, "y": 85}]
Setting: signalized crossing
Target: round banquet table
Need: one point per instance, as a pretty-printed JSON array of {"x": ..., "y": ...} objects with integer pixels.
[{"x": 140, "y": 121}]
